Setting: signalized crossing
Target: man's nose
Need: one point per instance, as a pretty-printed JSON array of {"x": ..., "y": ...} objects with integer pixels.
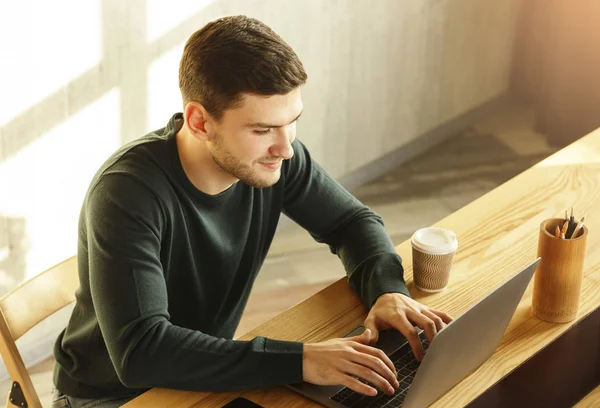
[{"x": 283, "y": 147}]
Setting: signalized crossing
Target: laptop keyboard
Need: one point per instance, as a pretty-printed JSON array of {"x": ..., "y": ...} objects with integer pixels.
[{"x": 405, "y": 363}]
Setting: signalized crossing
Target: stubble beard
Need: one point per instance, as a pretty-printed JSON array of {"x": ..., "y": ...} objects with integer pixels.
[{"x": 245, "y": 173}]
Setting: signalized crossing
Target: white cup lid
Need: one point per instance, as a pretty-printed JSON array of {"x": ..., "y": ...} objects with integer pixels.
[{"x": 434, "y": 241}]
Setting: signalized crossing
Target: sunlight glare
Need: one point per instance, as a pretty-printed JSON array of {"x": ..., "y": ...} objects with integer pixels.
[
  {"x": 45, "y": 183},
  {"x": 163, "y": 16},
  {"x": 43, "y": 46}
]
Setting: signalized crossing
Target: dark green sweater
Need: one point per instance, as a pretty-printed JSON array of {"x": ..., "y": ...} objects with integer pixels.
[{"x": 166, "y": 272}]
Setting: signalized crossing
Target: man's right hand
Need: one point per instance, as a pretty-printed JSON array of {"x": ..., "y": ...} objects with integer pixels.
[{"x": 336, "y": 361}]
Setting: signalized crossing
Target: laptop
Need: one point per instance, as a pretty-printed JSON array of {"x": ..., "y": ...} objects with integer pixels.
[{"x": 457, "y": 350}]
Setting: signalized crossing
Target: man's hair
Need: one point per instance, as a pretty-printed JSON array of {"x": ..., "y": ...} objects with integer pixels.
[{"x": 235, "y": 55}]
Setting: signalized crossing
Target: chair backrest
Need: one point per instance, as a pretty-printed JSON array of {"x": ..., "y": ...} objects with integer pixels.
[{"x": 27, "y": 305}]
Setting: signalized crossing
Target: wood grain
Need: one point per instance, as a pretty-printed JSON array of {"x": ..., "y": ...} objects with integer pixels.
[
  {"x": 559, "y": 375},
  {"x": 592, "y": 400},
  {"x": 557, "y": 283},
  {"x": 15, "y": 366},
  {"x": 34, "y": 300},
  {"x": 27, "y": 305},
  {"x": 498, "y": 235}
]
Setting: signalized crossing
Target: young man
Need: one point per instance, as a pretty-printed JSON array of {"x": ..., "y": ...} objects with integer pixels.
[{"x": 175, "y": 226}]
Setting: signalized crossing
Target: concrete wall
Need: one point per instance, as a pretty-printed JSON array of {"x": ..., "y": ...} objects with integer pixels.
[
  {"x": 78, "y": 79},
  {"x": 556, "y": 66}
]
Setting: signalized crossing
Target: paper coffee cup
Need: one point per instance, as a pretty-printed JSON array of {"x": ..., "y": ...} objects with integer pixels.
[{"x": 433, "y": 252}]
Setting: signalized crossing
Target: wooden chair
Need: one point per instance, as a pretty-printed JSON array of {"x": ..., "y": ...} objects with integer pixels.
[{"x": 23, "y": 308}]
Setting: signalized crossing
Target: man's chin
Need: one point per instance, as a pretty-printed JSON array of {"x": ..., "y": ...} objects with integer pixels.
[
  {"x": 268, "y": 183},
  {"x": 264, "y": 182}
]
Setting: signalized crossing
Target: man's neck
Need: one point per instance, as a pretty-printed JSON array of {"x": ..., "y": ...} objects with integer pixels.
[{"x": 199, "y": 165}]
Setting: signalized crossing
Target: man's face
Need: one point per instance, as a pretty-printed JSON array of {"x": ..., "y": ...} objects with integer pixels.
[{"x": 251, "y": 141}]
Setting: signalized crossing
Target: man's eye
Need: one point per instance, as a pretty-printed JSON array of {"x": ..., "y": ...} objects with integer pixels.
[{"x": 262, "y": 132}]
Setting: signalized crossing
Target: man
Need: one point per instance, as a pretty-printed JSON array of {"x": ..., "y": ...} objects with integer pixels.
[{"x": 175, "y": 226}]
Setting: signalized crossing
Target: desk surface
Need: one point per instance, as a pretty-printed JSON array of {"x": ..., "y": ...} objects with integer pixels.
[{"x": 497, "y": 236}]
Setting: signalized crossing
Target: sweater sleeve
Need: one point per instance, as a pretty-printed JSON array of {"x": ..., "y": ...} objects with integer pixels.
[
  {"x": 355, "y": 233},
  {"x": 124, "y": 223}
]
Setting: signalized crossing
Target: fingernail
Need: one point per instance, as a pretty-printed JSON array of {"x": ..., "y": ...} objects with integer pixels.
[{"x": 391, "y": 390}]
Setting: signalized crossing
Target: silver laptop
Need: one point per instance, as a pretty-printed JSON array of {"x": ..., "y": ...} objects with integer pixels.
[{"x": 457, "y": 350}]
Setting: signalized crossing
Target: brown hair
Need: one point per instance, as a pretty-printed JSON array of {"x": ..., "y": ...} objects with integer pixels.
[{"x": 235, "y": 55}]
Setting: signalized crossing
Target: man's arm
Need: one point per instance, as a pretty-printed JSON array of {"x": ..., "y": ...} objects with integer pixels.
[
  {"x": 125, "y": 221},
  {"x": 333, "y": 216}
]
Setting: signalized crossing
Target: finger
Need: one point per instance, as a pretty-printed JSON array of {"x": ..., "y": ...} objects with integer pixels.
[
  {"x": 446, "y": 318},
  {"x": 401, "y": 323},
  {"x": 439, "y": 323},
  {"x": 374, "y": 332},
  {"x": 358, "y": 386},
  {"x": 379, "y": 362},
  {"x": 367, "y": 374},
  {"x": 362, "y": 338},
  {"x": 369, "y": 335},
  {"x": 424, "y": 323}
]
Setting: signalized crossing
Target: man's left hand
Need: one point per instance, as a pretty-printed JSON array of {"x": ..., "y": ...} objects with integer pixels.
[{"x": 397, "y": 311}]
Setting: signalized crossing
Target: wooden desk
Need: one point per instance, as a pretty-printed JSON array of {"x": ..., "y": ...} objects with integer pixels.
[{"x": 497, "y": 236}]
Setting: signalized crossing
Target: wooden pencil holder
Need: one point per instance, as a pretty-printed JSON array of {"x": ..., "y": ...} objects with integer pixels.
[{"x": 557, "y": 282}]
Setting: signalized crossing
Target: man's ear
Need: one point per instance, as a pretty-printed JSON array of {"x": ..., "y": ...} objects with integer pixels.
[{"x": 198, "y": 121}]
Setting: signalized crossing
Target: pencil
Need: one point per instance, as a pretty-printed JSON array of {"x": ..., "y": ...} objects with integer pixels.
[
  {"x": 565, "y": 227},
  {"x": 557, "y": 232},
  {"x": 572, "y": 225},
  {"x": 562, "y": 235},
  {"x": 579, "y": 226}
]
